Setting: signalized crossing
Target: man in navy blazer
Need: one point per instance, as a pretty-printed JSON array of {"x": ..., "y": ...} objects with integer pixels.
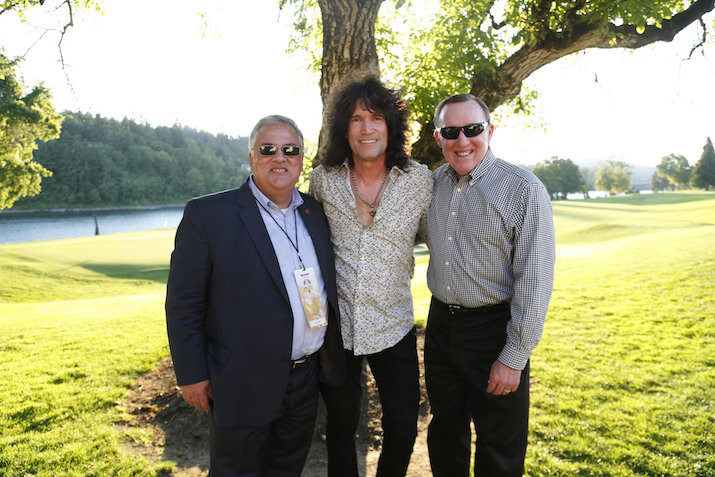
[{"x": 252, "y": 311}]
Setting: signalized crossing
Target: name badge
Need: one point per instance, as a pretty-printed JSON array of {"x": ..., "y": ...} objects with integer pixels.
[{"x": 310, "y": 297}]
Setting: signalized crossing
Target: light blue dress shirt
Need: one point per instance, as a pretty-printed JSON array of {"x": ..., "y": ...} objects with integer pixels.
[{"x": 305, "y": 340}]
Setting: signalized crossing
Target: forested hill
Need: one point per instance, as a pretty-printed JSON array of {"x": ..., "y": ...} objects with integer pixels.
[{"x": 104, "y": 162}]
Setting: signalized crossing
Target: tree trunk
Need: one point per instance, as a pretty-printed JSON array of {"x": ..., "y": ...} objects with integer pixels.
[{"x": 349, "y": 50}]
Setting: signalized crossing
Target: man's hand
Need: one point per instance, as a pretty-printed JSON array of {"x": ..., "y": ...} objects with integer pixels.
[
  {"x": 198, "y": 394},
  {"x": 503, "y": 379}
]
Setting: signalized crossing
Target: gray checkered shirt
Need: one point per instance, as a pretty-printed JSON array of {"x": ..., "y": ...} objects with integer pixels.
[
  {"x": 491, "y": 239},
  {"x": 373, "y": 265}
]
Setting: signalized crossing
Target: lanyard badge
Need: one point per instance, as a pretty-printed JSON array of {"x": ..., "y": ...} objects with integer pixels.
[{"x": 310, "y": 297}]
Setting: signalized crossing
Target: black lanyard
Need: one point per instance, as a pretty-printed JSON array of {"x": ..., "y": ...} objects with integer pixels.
[{"x": 295, "y": 217}]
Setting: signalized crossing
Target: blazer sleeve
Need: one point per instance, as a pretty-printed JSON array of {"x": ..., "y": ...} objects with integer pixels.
[{"x": 187, "y": 296}]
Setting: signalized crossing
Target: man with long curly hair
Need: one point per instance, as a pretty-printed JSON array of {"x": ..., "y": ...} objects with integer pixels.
[{"x": 376, "y": 200}]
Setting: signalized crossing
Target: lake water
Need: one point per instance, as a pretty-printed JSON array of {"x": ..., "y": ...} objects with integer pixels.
[{"x": 27, "y": 227}]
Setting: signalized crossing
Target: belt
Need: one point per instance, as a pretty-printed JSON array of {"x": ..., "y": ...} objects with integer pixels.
[
  {"x": 455, "y": 310},
  {"x": 301, "y": 363}
]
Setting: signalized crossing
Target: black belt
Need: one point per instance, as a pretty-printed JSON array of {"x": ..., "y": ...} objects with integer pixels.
[
  {"x": 455, "y": 310},
  {"x": 301, "y": 363}
]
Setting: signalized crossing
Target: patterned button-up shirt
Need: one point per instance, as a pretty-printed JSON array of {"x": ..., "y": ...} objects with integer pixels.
[
  {"x": 374, "y": 264},
  {"x": 491, "y": 239}
]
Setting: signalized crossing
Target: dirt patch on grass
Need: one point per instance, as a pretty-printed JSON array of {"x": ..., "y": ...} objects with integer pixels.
[{"x": 164, "y": 428}]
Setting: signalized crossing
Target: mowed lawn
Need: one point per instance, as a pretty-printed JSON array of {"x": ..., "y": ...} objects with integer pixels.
[{"x": 622, "y": 382}]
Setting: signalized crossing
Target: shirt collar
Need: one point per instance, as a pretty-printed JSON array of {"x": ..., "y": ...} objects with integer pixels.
[
  {"x": 478, "y": 170},
  {"x": 296, "y": 200}
]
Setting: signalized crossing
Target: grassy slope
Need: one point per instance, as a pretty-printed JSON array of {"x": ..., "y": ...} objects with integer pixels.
[
  {"x": 622, "y": 381},
  {"x": 80, "y": 319}
]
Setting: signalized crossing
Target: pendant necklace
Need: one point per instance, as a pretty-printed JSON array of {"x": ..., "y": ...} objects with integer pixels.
[{"x": 377, "y": 196}]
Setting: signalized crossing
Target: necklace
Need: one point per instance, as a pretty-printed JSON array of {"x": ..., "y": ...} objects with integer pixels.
[{"x": 377, "y": 196}]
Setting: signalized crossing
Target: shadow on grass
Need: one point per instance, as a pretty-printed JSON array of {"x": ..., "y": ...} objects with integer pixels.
[{"x": 130, "y": 271}]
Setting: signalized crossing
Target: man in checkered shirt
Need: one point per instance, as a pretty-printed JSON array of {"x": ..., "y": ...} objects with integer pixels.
[{"x": 491, "y": 237}]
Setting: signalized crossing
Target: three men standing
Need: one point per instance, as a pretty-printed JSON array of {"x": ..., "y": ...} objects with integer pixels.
[
  {"x": 491, "y": 237},
  {"x": 376, "y": 200},
  {"x": 254, "y": 313},
  {"x": 249, "y": 338}
]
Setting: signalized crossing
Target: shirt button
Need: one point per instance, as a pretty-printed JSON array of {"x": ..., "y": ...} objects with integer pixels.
[
  {"x": 454, "y": 213},
  {"x": 362, "y": 258},
  {"x": 288, "y": 324},
  {"x": 357, "y": 308},
  {"x": 459, "y": 189},
  {"x": 449, "y": 238},
  {"x": 446, "y": 263},
  {"x": 449, "y": 288}
]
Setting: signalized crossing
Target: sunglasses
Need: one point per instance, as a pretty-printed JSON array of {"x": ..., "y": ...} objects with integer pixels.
[
  {"x": 470, "y": 130},
  {"x": 272, "y": 149}
]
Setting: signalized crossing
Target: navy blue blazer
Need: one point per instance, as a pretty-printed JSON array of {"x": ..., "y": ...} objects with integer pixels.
[{"x": 227, "y": 310}]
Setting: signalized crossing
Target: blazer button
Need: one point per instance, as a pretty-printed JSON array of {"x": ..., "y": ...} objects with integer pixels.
[{"x": 289, "y": 324}]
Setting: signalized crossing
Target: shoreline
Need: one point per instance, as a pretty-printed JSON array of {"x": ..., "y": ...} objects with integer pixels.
[{"x": 116, "y": 208}]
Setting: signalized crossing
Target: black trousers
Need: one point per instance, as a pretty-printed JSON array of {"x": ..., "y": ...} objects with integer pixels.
[
  {"x": 396, "y": 373},
  {"x": 279, "y": 448},
  {"x": 460, "y": 348}
]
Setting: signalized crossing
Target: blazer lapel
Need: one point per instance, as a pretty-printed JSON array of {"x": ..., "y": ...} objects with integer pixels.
[
  {"x": 316, "y": 227},
  {"x": 249, "y": 214}
]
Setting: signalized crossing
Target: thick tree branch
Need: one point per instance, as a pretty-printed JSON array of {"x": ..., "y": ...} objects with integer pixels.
[{"x": 506, "y": 83}]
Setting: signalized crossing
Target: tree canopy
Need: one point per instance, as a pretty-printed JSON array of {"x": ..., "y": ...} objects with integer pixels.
[
  {"x": 28, "y": 118},
  {"x": 25, "y": 119},
  {"x": 675, "y": 169},
  {"x": 614, "y": 177},
  {"x": 659, "y": 183},
  {"x": 487, "y": 47},
  {"x": 560, "y": 177},
  {"x": 704, "y": 171}
]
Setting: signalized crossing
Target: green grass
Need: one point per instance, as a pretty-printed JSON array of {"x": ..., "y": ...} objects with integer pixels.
[
  {"x": 80, "y": 320},
  {"x": 622, "y": 382},
  {"x": 624, "y": 378}
]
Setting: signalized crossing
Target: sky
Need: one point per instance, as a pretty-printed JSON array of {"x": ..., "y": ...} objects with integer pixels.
[{"x": 154, "y": 61}]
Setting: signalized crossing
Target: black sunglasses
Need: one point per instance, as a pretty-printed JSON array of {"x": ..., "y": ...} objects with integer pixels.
[
  {"x": 470, "y": 130},
  {"x": 272, "y": 149}
]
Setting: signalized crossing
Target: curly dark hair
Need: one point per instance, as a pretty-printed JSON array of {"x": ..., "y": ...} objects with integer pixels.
[{"x": 378, "y": 99}]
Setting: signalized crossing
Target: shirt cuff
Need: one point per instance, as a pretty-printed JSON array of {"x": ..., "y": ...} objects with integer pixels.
[{"x": 514, "y": 357}]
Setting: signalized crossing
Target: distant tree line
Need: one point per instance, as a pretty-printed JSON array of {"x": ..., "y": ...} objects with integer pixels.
[
  {"x": 104, "y": 162},
  {"x": 674, "y": 171},
  {"x": 562, "y": 176}
]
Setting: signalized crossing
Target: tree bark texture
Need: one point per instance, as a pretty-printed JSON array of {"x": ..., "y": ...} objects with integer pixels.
[{"x": 349, "y": 50}]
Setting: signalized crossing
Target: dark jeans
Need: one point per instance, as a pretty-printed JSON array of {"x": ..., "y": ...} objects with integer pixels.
[
  {"x": 279, "y": 448},
  {"x": 459, "y": 351},
  {"x": 396, "y": 373}
]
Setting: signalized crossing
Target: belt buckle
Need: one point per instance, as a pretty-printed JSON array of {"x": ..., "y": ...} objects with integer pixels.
[
  {"x": 454, "y": 309},
  {"x": 298, "y": 363}
]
